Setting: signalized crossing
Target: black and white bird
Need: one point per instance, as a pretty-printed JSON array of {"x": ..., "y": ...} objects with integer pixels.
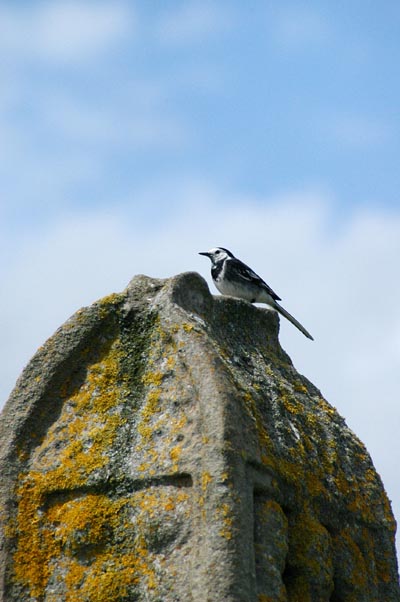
[{"x": 234, "y": 278}]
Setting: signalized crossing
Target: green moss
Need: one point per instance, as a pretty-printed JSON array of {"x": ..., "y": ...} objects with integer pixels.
[{"x": 137, "y": 335}]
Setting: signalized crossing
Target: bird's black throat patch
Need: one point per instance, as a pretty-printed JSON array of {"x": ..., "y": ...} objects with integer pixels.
[{"x": 216, "y": 270}]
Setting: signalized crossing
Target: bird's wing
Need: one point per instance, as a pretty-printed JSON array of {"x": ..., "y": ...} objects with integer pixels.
[{"x": 247, "y": 273}]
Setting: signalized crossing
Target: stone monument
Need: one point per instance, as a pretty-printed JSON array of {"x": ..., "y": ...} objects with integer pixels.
[{"x": 161, "y": 447}]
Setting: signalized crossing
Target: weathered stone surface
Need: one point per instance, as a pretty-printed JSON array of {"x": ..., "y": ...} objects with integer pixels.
[{"x": 162, "y": 447}]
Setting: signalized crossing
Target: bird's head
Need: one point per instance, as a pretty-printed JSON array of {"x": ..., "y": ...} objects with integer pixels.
[{"x": 217, "y": 254}]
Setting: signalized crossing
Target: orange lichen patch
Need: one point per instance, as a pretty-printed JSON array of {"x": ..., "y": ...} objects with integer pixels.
[
  {"x": 75, "y": 446},
  {"x": 31, "y": 560},
  {"x": 355, "y": 579},
  {"x": 357, "y": 495},
  {"x": 144, "y": 467},
  {"x": 109, "y": 301},
  {"x": 170, "y": 362},
  {"x": 153, "y": 378},
  {"x": 151, "y": 407},
  {"x": 152, "y": 504},
  {"x": 102, "y": 583},
  {"x": 175, "y": 453},
  {"x": 157, "y": 416},
  {"x": 309, "y": 558},
  {"x": 99, "y": 547},
  {"x": 327, "y": 408},
  {"x": 224, "y": 512},
  {"x": 300, "y": 388},
  {"x": 313, "y": 459},
  {"x": 87, "y": 518},
  {"x": 311, "y": 462},
  {"x": 160, "y": 417},
  {"x": 383, "y": 568},
  {"x": 206, "y": 479},
  {"x": 309, "y": 545},
  {"x": 111, "y": 577},
  {"x": 268, "y": 508},
  {"x": 88, "y": 529},
  {"x": 292, "y": 405}
]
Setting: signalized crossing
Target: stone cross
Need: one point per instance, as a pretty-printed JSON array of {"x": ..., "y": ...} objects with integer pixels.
[{"x": 161, "y": 447}]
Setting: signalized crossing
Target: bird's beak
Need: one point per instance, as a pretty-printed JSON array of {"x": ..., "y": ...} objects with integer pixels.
[{"x": 205, "y": 253}]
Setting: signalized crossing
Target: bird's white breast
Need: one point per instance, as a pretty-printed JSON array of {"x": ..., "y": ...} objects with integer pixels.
[{"x": 225, "y": 287}]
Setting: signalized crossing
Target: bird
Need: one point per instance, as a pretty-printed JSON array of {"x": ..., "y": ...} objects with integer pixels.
[{"x": 234, "y": 278}]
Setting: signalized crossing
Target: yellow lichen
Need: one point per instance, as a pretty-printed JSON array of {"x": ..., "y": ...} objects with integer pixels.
[
  {"x": 300, "y": 388},
  {"x": 224, "y": 512},
  {"x": 85, "y": 432},
  {"x": 206, "y": 479},
  {"x": 152, "y": 378},
  {"x": 170, "y": 362},
  {"x": 101, "y": 544},
  {"x": 151, "y": 406},
  {"x": 175, "y": 453}
]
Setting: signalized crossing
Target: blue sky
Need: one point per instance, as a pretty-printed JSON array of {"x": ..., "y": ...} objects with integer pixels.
[
  {"x": 101, "y": 97},
  {"x": 135, "y": 134}
]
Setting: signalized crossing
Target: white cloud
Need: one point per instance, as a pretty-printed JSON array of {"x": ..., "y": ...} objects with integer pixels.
[
  {"x": 65, "y": 31},
  {"x": 122, "y": 123},
  {"x": 341, "y": 286},
  {"x": 63, "y": 138},
  {"x": 192, "y": 22}
]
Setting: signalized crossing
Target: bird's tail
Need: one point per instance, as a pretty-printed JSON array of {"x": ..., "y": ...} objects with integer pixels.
[{"x": 293, "y": 320}]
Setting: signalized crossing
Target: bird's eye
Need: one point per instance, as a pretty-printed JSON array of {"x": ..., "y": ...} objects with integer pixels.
[{"x": 217, "y": 252}]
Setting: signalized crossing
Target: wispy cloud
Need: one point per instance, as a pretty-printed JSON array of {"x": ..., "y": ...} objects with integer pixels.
[
  {"x": 114, "y": 123},
  {"x": 63, "y": 139},
  {"x": 65, "y": 31}
]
